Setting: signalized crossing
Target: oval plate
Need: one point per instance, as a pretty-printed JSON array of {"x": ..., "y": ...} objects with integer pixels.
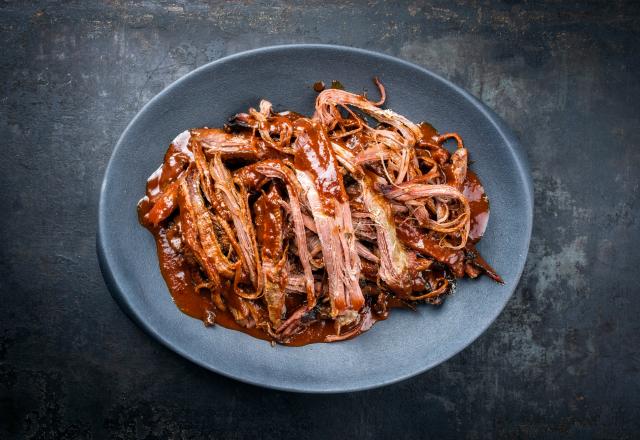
[{"x": 408, "y": 342}]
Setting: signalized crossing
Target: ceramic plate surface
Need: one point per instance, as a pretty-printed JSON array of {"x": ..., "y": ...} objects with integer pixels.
[{"x": 407, "y": 343}]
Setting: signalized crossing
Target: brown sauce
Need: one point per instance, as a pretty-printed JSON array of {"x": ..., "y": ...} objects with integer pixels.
[
  {"x": 429, "y": 133},
  {"x": 269, "y": 222},
  {"x": 314, "y": 156},
  {"x": 318, "y": 86},
  {"x": 415, "y": 239},
  {"x": 177, "y": 273},
  {"x": 429, "y": 140},
  {"x": 175, "y": 161}
]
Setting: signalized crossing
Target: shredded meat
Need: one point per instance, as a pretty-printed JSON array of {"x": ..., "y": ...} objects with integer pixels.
[{"x": 301, "y": 230}]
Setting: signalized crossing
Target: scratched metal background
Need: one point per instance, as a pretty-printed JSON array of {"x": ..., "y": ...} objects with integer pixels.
[{"x": 562, "y": 361}]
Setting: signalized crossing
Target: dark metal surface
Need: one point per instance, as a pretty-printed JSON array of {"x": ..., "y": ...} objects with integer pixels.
[{"x": 562, "y": 361}]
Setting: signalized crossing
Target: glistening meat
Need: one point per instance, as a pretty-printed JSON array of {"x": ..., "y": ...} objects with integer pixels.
[{"x": 300, "y": 229}]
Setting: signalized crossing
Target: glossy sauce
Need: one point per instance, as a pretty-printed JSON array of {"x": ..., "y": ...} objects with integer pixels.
[
  {"x": 177, "y": 273},
  {"x": 317, "y": 158},
  {"x": 176, "y": 160},
  {"x": 429, "y": 133},
  {"x": 479, "y": 205},
  {"x": 318, "y": 86},
  {"x": 472, "y": 190},
  {"x": 180, "y": 276},
  {"x": 428, "y": 140}
]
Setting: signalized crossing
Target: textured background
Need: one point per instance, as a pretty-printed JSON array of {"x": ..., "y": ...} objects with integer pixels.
[{"x": 562, "y": 361}]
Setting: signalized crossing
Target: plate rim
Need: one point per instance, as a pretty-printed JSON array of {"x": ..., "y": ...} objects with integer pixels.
[{"x": 122, "y": 299}]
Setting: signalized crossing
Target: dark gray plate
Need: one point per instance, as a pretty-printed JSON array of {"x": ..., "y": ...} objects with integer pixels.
[{"x": 407, "y": 343}]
